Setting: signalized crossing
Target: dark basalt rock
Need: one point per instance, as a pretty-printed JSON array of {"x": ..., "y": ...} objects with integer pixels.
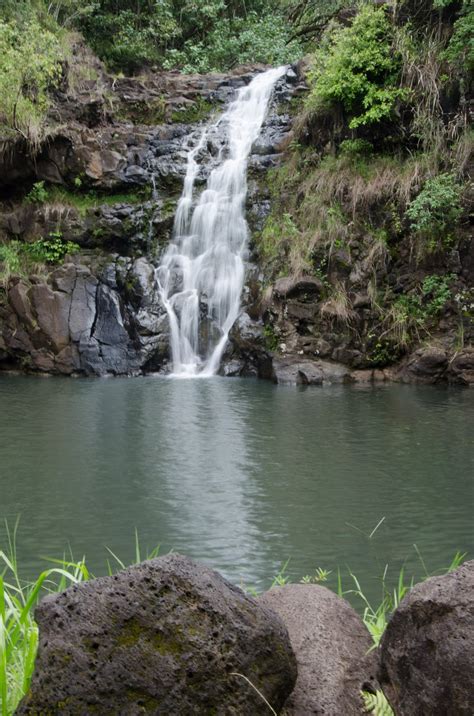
[
  {"x": 296, "y": 370},
  {"x": 427, "y": 654},
  {"x": 163, "y": 637},
  {"x": 122, "y": 227},
  {"x": 331, "y": 645},
  {"x": 462, "y": 367},
  {"x": 426, "y": 365},
  {"x": 306, "y": 286},
  {"x": 96, "y": 320}
]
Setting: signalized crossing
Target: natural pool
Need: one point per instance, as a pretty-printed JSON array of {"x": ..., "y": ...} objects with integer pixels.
[{"x": 240, "y": 474}]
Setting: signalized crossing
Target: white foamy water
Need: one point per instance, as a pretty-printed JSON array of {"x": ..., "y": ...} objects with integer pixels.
[{"x": 200, "y": 278}]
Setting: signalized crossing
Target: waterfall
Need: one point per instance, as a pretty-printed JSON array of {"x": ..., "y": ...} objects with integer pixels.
[{"x": 201, "y": 275}]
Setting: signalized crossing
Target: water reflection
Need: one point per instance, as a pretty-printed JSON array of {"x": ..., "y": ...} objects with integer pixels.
[{"x": 240, "y": 474}]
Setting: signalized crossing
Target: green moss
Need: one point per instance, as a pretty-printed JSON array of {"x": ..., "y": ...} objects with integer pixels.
[
  {"x": 169, "y": 207},
  {"x": 98, "y": 233},
  {"x": 141, "y": 112},
  {"x": 196, "y": 112},
  {"x": 270, "y": 338},
  {"x": 70, "y": 704},
  {"x": 92, "y": 200},
  {"x": 148, "y": 703},
  {"x": 133, "y": 632},
  {"x": 166, "y": 646}
]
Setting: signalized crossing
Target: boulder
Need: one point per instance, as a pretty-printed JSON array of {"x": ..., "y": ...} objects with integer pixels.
[
  {"x": 461, "y": 367},
  {"x": 292, "y": 371},
  {"x": 427, "y": 651},
  {"x": 426, "y": 365},
  {"x": 296, "y": 370},
  {"x": 331, "y": 645},
  {"x": 309, "y": 286},
  {"x": 167, "y": 636}
]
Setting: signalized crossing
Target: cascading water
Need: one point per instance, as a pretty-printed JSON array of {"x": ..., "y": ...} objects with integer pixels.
[{"x": 200, "y": 278}]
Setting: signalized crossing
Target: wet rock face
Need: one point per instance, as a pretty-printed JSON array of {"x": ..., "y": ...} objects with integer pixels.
[
  {"x": 125, "y": 228},
  {"x": 121, "y": 146},
  {"x": 267, "y": 151},
  {"x": 331, "y": 643},
  {"x": 162, "y": 637},
  {"x": 94, "y": 320},
  {"x": 427, "y": 655},
  {"x": 426, "y": 365},
  {"x": 293, "y": 370},
  {"x": 102, "y": 315}
]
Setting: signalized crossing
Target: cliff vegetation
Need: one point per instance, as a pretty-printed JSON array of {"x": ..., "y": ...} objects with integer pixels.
[{"x": 375, "y": 195}]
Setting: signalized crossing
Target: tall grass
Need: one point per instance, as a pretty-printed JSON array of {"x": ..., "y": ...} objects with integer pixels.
[
  {"x": 18, "y": 629},
  {"x": 377, "y": 617},
  {"x": 18, "y": 599}
]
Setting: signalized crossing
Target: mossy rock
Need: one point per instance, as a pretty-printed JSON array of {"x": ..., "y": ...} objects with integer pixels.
[
  {"x": 164, "y": 637},
  {"x": 193, "y": 113}
]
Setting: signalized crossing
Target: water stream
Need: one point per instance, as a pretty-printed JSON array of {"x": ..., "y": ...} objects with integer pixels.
[{"x": 201, "y": 275}]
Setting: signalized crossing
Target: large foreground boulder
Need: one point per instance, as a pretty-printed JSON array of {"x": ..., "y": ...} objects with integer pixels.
[
  {"x": 427, "y": 652},
  {"x": 163, "y": 637},
  {"x": 331, "y": 645}
]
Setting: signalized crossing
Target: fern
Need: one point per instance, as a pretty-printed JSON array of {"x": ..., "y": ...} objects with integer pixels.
[{"x": 376, "y": 704}]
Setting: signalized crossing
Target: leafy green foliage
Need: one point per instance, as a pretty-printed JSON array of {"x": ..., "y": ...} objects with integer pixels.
[
  {"x": 10, "y": 260},
  {"x": 194, "y": 36},
  {"x": 38, "y": 194},
  {"x": 270, "y": 338},
  {"x": 18, "y": 629},
  {"x": 128, "y": 35},
  {"x": 383, "y": 352},
  {"x": 199, "y": 110},
  {"x": 460, "y": 51},
  {"x": 412, "y": 314},
  {"x": 436, "y": 292},
  {"x": 376, "y": 704},
  {"x": 358, "y": 68},
  {"x": 30, "y": 65},
  {"x": 17, "y": 257},
  {"x": 278, "y": 232},
  {"x": 86, "y": 201},
  {"x": 244, "y": 40},
  {"x": 465, "y": 302},
  {"x": 320, "y": 575},
  {"x": 51, "y": 250},
  {"x": 308, "y": 18},
  {"x": 437, "y": 208},
  {"x": 355, "y": 147}
]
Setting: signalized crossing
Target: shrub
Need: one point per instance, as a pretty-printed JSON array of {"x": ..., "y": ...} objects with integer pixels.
[
  {"x": 194, "y": 36},
  {"x": 460, "y": 51},
  {"x": 18, "y": 258},
  {"x": 412, "y": 314},
  {"x": 38, "y": 194},
  {"x": 30, "y": 65},
  {"x": 10, "y": 262},
  {"x": 356, "y": 147},
  {"x": 51, "y": 250},
  {"x": 437, "y": 208},
  {"x": 436, "y": 292},
  {"x": 358, "y": 68},
  {"x": 250, "y": 39},
  {"x": 278, "y": 234}
]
